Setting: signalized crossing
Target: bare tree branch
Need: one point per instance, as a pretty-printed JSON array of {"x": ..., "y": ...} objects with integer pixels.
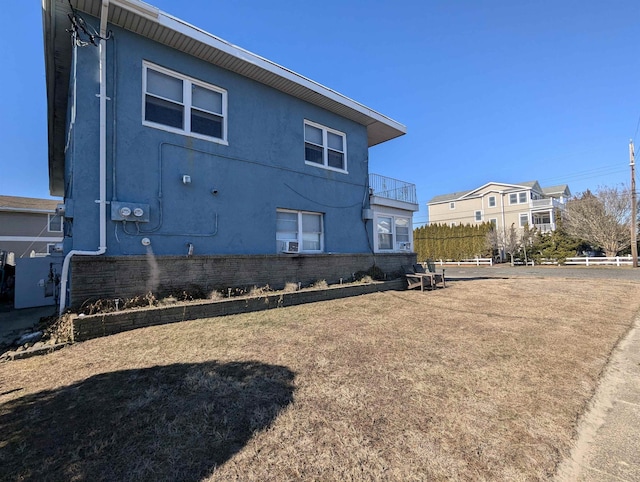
[{"x": 602, "y": 219}]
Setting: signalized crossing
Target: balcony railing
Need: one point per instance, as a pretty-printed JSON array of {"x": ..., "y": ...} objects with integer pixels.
[
  {"x": 390, "y": 188},
  {"x": 544, "y": 227},
  {"x": 546, "y": 203}
]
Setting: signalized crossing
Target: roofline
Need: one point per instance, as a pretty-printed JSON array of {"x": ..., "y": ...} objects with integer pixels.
[
  {"x": 196, "y": 33},
  {"x": 380, "y": 128},
  {"x": 6, "y": 209}
]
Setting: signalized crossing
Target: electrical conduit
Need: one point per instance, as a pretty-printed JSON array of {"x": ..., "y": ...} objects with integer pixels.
[{"x": 102, "y": 248}]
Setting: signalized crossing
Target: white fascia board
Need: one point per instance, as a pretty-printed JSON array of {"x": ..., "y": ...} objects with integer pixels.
[
  {"x": 509, "y": 186},
  {"x": 27, "y": 210},
  {"x": 28, "y": 239},
  {"x": 200, "y": 35},
  {"x": 139, "y": 8}
]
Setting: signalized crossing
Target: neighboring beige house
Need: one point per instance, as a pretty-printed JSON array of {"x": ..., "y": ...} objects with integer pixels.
[
  {"x": 501, "y": 204},
  {"x": 29, "y": 226}
]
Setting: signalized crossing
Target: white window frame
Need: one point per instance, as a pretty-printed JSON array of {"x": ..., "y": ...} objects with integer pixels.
[
  {"x": 395, "y": 244},
  {"x": 477, "y": 214},
  {"x": 187, "y": 83},
  {"x": 491, "y": 198},
  {"x": 53, "y": 216},
  {"x": 518, "y": 196},
  {"x": 325, "y": 147},
  {"x": 520, "y": 215},
  {"x": 452, "y": 205},
  {"x": 300, "y": 233}
]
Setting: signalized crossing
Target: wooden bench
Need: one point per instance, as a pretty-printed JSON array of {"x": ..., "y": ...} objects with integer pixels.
[
  {"x": 416, "y": 276},
  {"x": 438, "y": 277}
]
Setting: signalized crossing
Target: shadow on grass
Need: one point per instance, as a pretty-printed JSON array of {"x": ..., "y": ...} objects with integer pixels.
[{"x": 175, "y": 422}]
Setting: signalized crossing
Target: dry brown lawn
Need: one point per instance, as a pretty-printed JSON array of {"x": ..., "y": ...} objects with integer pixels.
[{"x": 481, "y": 381}]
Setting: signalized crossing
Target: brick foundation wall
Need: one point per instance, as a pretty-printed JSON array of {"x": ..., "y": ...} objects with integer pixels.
[
  {"x": 95, "y": 277},
  {"x": 93, "y": 326}
]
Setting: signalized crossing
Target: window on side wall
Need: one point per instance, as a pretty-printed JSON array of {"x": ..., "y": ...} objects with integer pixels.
[
  {"x": 452, "y": 205},
  {"x": 524, "y": 220},
  {"x": 522, "y": 197},
  {"x": 513, "y": 198},
  {"x": 478, "y": 216},
  {"x": 180, "y": 104},
  {"x": 299, "y": 228},
  {"x": 492, "y": 201},
  {"x": 393, "y": 233},
  {"x": 325, "y": 147},
  {"x": 55, "y": 223}
]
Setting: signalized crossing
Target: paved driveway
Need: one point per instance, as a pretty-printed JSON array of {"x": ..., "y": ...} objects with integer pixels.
[{"x": 507, "y": 271}]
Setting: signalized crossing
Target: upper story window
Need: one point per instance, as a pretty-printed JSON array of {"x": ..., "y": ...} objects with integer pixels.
[
  {"x": 180, "y": 104},
  {"x": 325, "y": 147},
  {"x": 478, "y": 216},
  {"x": 492, "y": 201},
  {"x": 452, "y": 205},
  {"x": 55, "y": 223},
  {"x": 518, "y": 198}
]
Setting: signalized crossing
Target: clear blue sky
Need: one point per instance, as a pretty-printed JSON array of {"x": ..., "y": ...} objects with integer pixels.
[{"x": 492, "y": 90}]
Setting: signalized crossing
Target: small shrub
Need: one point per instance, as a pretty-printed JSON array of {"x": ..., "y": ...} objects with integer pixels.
[
  {"x": 289, "y": 287},
  {"x": 259, "y": 291},
  {"x": 320, "y": 285},
  {"x": 215, "y": 295}
]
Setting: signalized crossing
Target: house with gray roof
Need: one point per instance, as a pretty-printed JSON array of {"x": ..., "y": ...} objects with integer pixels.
[{"x": 502, "y": 204}]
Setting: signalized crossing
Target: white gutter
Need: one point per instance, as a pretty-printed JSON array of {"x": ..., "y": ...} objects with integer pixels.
[{"x": 102, "y": 248}]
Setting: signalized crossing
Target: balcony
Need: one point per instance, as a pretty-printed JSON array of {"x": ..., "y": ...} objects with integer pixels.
[
  {"x": 548, "y": 203},
  {"x": 545, "y": 227},
  {"x": 392, "y": 189}
]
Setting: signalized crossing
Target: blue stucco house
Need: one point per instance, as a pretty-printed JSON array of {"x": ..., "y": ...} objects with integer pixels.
[{"x": 186, "y": 160}]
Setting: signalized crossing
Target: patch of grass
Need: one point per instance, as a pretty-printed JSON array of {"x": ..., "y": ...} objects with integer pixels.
[{"x": 483, "y": 380}]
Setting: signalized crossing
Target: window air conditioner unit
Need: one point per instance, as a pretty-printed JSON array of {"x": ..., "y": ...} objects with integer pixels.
[
  {"x": 405, "y": 246},
  {"x": 290, "y": 247}
]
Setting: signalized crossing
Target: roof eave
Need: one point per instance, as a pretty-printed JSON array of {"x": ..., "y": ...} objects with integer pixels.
[{"x": 134, "y": 15}]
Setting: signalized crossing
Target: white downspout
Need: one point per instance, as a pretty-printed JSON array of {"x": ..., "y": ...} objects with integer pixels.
[{"x": 102, "y": 248}]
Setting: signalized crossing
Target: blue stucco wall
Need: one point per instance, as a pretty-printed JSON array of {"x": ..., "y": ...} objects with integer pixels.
[{"x": 260, "y": 170}]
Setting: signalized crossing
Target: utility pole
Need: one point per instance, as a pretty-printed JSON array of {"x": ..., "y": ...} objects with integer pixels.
[{"x": 634, "y": 204}]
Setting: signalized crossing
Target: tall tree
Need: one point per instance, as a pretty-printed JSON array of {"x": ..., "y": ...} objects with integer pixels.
[{"x": 601, "y": 219}]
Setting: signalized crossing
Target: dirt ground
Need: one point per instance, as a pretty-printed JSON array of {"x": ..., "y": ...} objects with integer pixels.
[{"x": 483, "y": 380}]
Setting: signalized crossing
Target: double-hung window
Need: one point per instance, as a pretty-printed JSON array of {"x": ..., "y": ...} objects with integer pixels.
[
  {"x": 301, "y": 227},
  {"x": 524, "y": 219},
  {"x": 325, "y": 147},
  {"x": 393, "y": 233},
  {"x": 180, "y": 104},
  {"x": 518, "y": 197},
  {"x": 492, "y": 201},
  {"x": 55, "y": 223},
  {"x": 478, "y": 216}
]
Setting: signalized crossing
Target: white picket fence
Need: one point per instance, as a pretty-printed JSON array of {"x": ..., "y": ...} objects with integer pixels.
[
  {"x": 466, "y": 262},
  {"x": 601, "y": 261}
]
